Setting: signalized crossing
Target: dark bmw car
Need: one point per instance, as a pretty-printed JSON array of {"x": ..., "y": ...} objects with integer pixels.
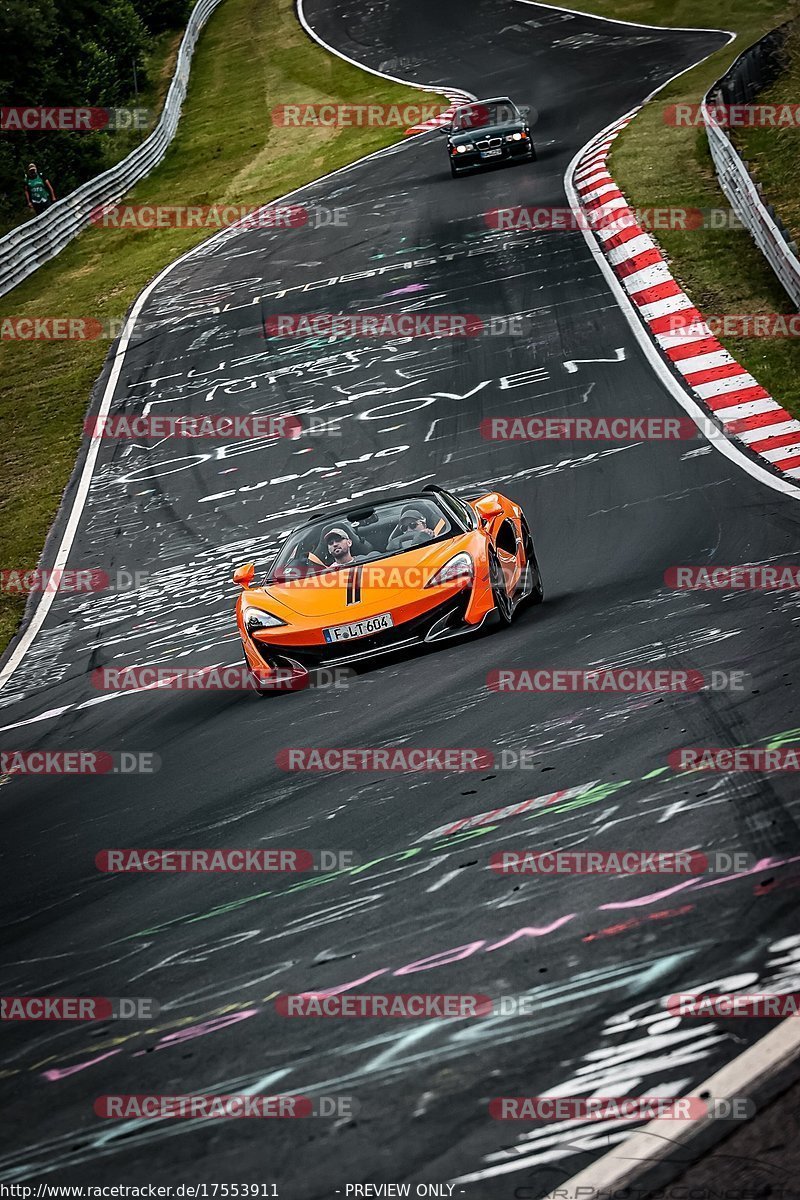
[{"x": 487, "y": 132}]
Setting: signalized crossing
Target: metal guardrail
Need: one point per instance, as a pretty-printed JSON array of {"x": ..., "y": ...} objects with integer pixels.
[
  {"x": 752, "y": 71},
  {"x": 26, "y": 248}
]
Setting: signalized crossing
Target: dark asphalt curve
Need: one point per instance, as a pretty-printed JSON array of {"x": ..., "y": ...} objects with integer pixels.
[{"x": 594, "y": 955}]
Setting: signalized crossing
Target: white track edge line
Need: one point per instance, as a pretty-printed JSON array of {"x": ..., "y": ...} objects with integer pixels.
[
  {"x": 422, "y": 87},
  {"x": 577, "y": 12},
  {"x": 657, "y": 1140}
]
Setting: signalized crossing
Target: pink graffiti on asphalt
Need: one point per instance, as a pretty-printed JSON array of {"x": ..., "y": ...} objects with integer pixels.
[{"x": 443, "y": 958}]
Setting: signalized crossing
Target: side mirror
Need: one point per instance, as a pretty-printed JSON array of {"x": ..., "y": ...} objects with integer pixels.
[
  {"x": 244, "y": 575},
  {"x": 448, "y": 128},
  {"x": 488, "y": 507}
]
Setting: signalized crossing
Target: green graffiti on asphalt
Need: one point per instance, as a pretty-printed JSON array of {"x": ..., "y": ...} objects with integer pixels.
[{"x": 593, "y": 795}]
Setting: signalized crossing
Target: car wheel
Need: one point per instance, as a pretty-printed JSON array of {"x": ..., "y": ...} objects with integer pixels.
[
  {"x": 533, "y": 576},
  {"x": 454, "y": 170},
  {"x": 532, "y": 155},
  {"x": 504, "y": 605}
]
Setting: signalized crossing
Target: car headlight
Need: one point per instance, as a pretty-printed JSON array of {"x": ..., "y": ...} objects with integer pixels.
[
  {"x": 514, "y": 137},
  {"x": 257, "y": 618},
  {"x": 460, "y": 568},
  {"x": 461, "y": 149}
]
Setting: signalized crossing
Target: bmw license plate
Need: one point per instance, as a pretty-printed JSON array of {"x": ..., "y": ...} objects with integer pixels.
[
  {"x": 492, "y": 153},
  {"x": 343, "y": 633}
]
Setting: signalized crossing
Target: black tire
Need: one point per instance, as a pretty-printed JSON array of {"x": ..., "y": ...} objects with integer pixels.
[
  {"x": 453, "y": 170},
  {"x": 532, "y": 155},
  {"x": 503, "y": 603},
  {"x": 536, "y": 594}
]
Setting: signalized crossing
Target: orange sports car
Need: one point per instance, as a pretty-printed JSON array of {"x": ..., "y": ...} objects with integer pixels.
[{"x": 380, "y": 576}]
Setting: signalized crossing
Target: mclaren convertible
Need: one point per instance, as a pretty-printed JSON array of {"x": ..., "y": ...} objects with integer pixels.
[{"x": 373, "y": 578}]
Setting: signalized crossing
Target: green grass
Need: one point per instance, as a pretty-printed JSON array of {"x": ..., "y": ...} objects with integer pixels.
[
  {"x": 660, "y": 166},
  {"x": 159, "y": 69},
  {"x": 252, "y": 56},
  {"x": 773, "y": 155}
]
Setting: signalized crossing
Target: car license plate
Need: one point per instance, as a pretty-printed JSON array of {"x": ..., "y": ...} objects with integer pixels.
[
  {"x": 492, "y": 153},
  {"x": 358, "y": 629}
]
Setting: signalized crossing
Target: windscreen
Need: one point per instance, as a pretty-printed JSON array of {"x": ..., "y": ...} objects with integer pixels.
[
  {"x": 479, "y": 116},
  {"x": 363, "y": 535}
]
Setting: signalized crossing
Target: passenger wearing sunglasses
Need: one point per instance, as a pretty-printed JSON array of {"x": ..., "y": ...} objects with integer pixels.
[{"x": 411, "y": 530}]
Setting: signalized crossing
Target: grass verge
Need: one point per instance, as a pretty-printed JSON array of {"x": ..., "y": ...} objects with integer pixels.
[
  {"x": 252, "y": 56},
  {"x": 773, "y": 155},
  {"x": 660, "y": 166}
]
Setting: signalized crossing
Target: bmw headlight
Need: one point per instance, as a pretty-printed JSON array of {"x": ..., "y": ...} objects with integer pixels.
[
  {"x": 459, "y": 569},
  {"x": 514, "y": 137},
  {"x": 256, "y": 618},
  {"x": 466, "y": 146}
]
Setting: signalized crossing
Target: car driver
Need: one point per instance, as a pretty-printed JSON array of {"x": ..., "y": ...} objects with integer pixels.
[{"x": 339, "y": 546}]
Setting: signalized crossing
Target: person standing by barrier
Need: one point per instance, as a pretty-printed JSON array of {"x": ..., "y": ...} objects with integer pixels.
[{"x": 39, "y": 193}]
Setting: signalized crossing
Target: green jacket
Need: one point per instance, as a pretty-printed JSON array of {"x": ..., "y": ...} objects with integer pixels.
[{"x": 37, "y": 189}]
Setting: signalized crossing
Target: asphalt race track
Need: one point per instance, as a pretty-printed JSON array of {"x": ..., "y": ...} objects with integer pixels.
[{"x": 596, "y": 954}]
